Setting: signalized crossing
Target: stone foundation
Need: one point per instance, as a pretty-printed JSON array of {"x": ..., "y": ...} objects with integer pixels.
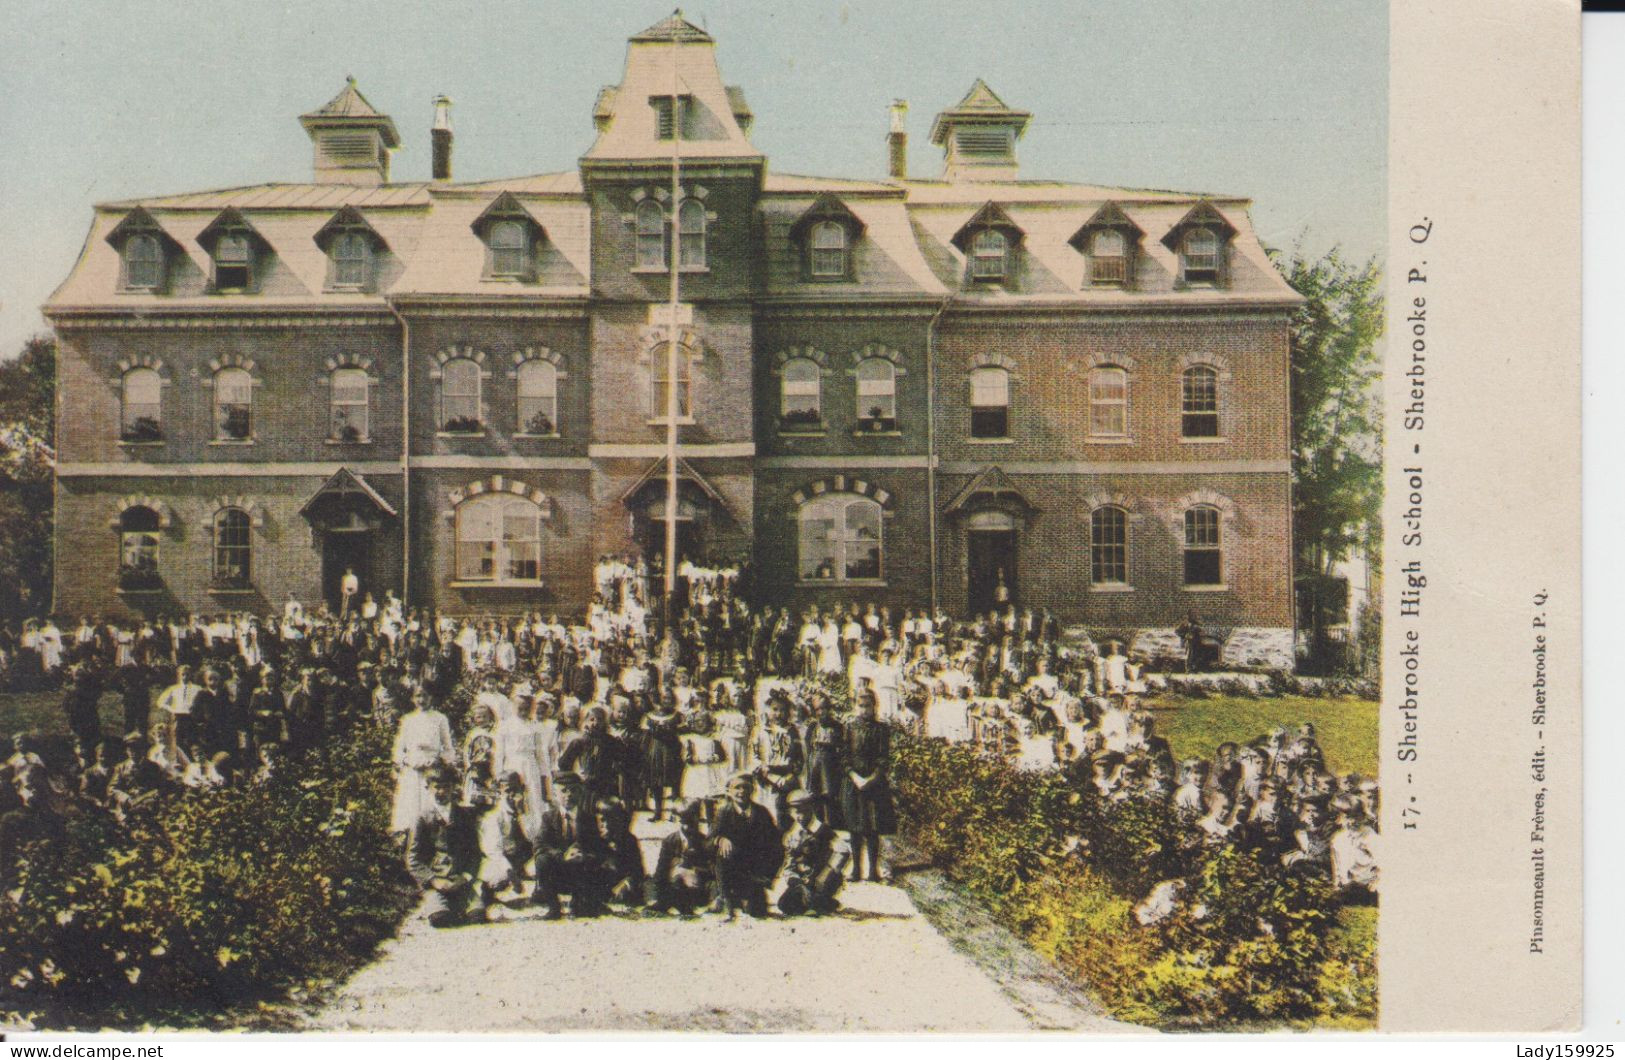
[{"x": 1258, "y": 648}]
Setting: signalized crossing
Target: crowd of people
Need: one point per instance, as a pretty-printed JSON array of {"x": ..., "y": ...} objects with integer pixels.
[{"x": 751, "y": 746}]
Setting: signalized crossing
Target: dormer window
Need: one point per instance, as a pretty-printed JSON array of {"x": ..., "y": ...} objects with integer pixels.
[
  {"x": 1108, "y": 258},
  {"x": 1109, "y": 242},
  {"x": 510, "y": 249},
  {"x": 352, "y": 247},
  {"x": 989, "y": 256},
  {"x": 143, "y": 247},
  {"x": 1200, "y": 254},
  {"x": 825, "y": 236},
  {"x": 512, "y": 238},
  {"x": 989, "y": 241},
  {"x": 1201, "y": 240},
  {"x": 828, "y": 251},
  {"x": 144, "y": 262},
  {"x": 233, "y": 260},
  {"x": 236, "y": 252}
]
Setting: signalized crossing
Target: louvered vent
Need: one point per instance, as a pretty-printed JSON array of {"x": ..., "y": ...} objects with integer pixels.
[
  {"x": 983, "y": 142},
  {"x": 349, "y": 148}
]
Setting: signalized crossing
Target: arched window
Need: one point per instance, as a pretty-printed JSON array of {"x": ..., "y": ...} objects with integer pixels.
[
  {"x": 143, "y": 262},
  {"x": 510, "y": 248},
  {"x": 138, "y": 540},
  {"x": 691, "y": 234},
  {"x": 141, "y": 418},
  {"x": 877, "y": 394},
  {"x": 659, "y": 363},
  {"x": 1108, "y": 257},
  {"x": 990, "y": 403},
  {"x": 348, "y": 405},
  {"x": 1200, "y": 255},
  {"x": 538, "y": 388},
  {"x": 499, "y": 540},
  {"x": 651, "y": 227},
  {"x": 828, "y": 250},
  {"x": 233, "y": 547},
  {"x": 233, "y": 405},
  {"x": 233, "y": 261},
  {"x": 802, "y": 400},
  {"x": 1203, "y": 555},
  {"x": 1108, "y": 402},
  {"x": 352, "y": 260},
  {"x": 840, "y": 539},
  {"x": 1108, "y": 546},
  {"x": 989, "y": 253},
  {"x": 460, "y": 411},
  {"x": 1199, "y": 402}
]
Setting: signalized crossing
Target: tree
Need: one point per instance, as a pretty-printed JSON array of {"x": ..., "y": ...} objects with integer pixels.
[
  {"x": 1336, "y": 421},
  {"x": 27, "y": 462}
]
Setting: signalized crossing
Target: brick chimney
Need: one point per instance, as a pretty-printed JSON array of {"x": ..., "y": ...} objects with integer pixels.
[
  {"x": 897, "y": 141},
  {"x": 440, "y": 138}
]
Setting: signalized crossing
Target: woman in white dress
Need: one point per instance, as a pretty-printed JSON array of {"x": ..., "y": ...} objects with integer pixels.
[
  {"x": 422, "y": 745},
  {"x": 513, "y": 750},
  {"x": 733, "y": 732},
  {"x": 706, "y": 767},
  {"x": 829, "y": 647}
]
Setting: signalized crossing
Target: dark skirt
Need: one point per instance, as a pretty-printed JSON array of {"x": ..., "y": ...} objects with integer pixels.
[
  {"x": 663, "y": 762},
  {"x": 870, "y": 811}
]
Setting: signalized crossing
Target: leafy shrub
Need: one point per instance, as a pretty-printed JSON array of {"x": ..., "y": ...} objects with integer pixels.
[
  {"x": 1251, "y": 943},
  {"x": 201, "y": 902}
]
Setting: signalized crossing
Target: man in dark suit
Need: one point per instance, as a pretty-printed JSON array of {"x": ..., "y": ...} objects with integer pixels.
[
  {"x": 571, "y": 856},
  {"x": 810, "y": 881},
  {"x": 595, "y": 756},
  {"x": 749, "y": 850}
]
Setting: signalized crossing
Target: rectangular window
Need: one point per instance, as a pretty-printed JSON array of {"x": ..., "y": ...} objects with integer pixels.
[
  {"x": 1108, "y": 547},
  {"x": 1108, "y": 402},
  {"x": 877, "y": 394},
  {"x": 990, "y": 403},
  {"x": 1200, "y": 405},
  {"x": 673, "y": 114},
  {"x": 1202, "y": 555},
  {"x": 349, "y": 405},
  {"x": 233, "y": 262}
]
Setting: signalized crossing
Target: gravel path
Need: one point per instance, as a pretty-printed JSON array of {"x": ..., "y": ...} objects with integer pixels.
[{"x": 878, "y": 966}]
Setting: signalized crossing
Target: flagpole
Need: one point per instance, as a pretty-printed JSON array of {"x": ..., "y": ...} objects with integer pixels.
[{"x": 673, "y": 253}]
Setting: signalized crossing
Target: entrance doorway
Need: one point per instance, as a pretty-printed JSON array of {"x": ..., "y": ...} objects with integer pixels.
[
  {"x": 346, "y": 550},
  {"x": 990, "y": 539}
]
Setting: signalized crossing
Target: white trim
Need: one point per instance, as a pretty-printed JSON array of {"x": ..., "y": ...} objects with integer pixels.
[
  {"x": 90, "y": 469},
  {"x": 650, "y": 449},
  {"x": 501, "y": 463},
  {"x": 1127, "y": 467},
  {"x": 836, "y": 463}
]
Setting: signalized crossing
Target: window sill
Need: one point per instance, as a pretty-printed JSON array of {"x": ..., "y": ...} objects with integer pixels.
[
  {"x": 809, "y": 432},
  {"x": 665, "y": 270},
  {"x": 140, "y": 592},
  {"x": 232, "y": 590},
  {"x": 1220, "y": 588},
  {"x": 1112, "y": 587},
  {"x": 527, "y": 434},
  {"x": 536, "y": 584},
  {"x": 126, "y": 444},
  {"x": 459, "y": 434},
  {"x": 990, "y": 441},
  {"x": 877, "y": 434},
  {"x": 1202, "y": 441},
  {"x": 232, "y": 441},
  {"x": 1111, "y": 440},
  {"x": 347, "y": 441},
  {"x": 841, "y": 583},
  {"x": 347, "y": 288},
  {"x": 682, "y": 421}
]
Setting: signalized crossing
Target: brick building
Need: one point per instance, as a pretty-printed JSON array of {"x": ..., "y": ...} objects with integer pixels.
[{"x": 962, "y": 387}]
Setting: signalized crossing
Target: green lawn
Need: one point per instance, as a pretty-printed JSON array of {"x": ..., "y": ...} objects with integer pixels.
[
  {"x": 42, "y": 711},
  {"x": 1346, "y": 727}
]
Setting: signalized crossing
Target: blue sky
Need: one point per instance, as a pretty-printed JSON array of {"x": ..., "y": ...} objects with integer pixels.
[{"x": 1279, "y": 100}]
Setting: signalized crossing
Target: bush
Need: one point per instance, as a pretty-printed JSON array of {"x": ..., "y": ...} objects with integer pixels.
[
  {"x": 202, "y": 902},
  {"x": 1252, "y": 943}
]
